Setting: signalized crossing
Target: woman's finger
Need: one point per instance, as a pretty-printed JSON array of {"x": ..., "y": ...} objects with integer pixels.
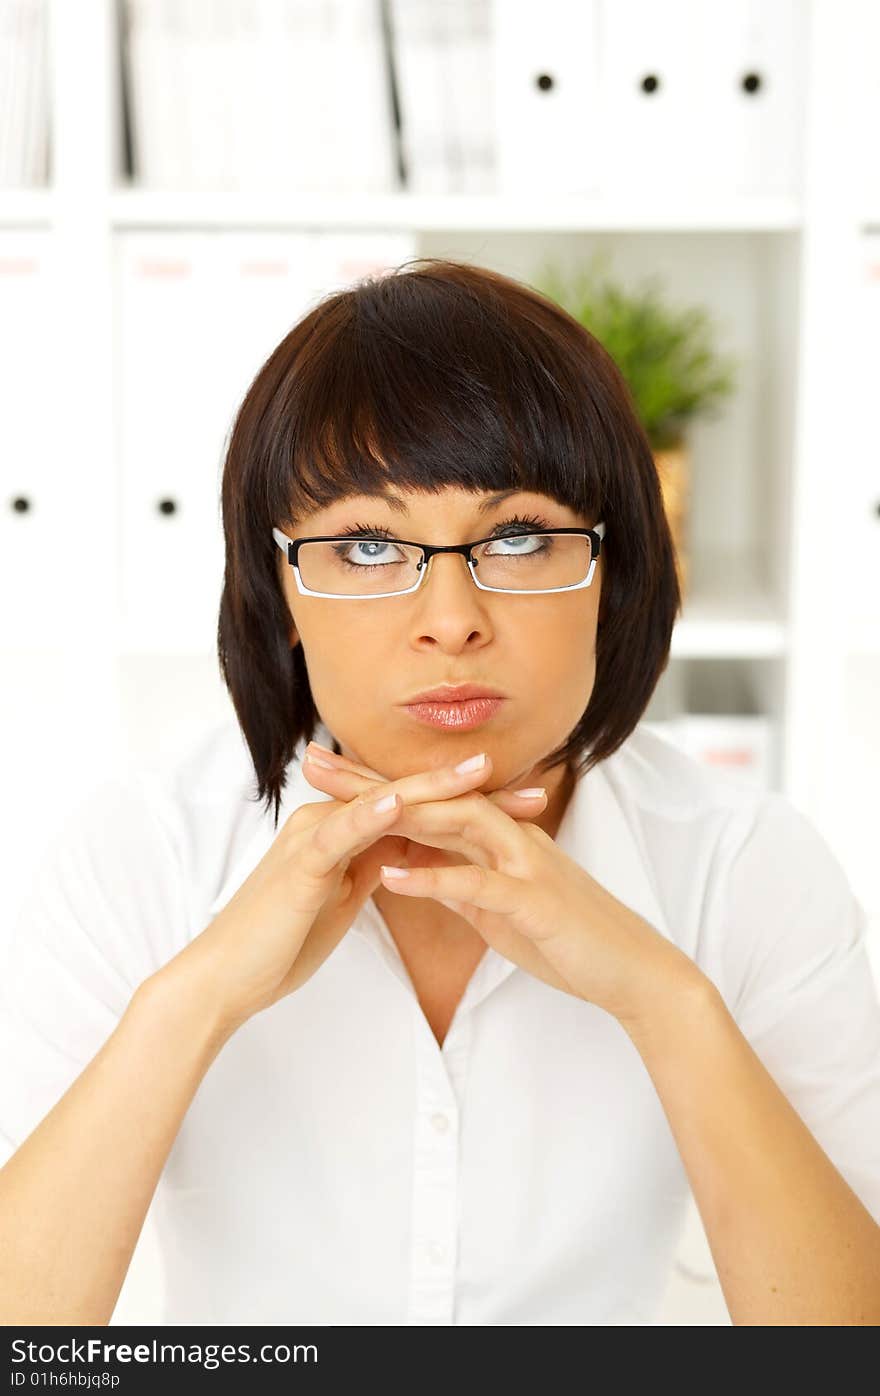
[
  {"x": 345, "y": 780},
  {"x": 316, "y": 754},
  {"x": 464, "y": 884},
  {"x": 473, "y": 825}
]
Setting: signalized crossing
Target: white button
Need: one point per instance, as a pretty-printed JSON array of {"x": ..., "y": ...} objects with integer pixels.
[
  {"x": 436, "y": 1252},
  {"x": 440, "y": 1122}
]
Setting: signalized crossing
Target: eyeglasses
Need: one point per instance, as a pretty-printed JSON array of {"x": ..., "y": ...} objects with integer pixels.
[{"x": 531, "y": 563}]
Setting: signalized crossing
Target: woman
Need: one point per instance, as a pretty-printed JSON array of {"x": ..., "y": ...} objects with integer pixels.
[{"x": 478, "y": 1093}]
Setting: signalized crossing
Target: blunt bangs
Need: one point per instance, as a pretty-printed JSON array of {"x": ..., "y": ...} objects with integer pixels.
[{"x": 430, "y": 393}]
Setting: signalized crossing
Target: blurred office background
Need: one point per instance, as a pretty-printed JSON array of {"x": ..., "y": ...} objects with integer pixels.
[{"x": 180, "y": 180}]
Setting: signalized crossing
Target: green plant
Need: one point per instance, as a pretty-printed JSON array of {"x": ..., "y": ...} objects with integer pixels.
[{"x": 665, "y": 354}]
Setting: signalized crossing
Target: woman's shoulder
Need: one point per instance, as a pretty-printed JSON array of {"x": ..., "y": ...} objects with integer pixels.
[
  {"x": 649, "y": 770},
  {"x": 205, "y": 796},
  {"x": 171, "y": 823},
  {"x": 695, "y": 819},
  {"x": 747, "y": 859}
]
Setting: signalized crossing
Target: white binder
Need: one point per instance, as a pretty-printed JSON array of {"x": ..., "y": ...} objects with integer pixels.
[
  {"x": 649, "y": 138},
  {"x": 45, "y": 478},
  {"x": 210, "y": 58},
  {"x": 23, "y": 93},
  {"x": 443, "y": 65},
  {"x": 362, "y": 158},
  {"x": 864, "y": 99},
  {"x": 750, "y": 95},
  {"x": 37, "y": 136},
  {"x": 418, "y": 44},
  {"x": 260, "y": 94},
  {"x": 171, "y": 337},
  {"x": 470, "y": 96},
  {"x": 147, "y": 64},
  {"x": 701, "y": 98},
  {"x": 547, "y": 124}
]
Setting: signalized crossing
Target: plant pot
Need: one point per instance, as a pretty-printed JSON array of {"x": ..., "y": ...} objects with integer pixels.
[{"x": 673, "y": 468}]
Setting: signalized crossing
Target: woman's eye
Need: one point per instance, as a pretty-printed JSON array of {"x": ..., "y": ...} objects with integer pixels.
[
  {"x": 522, "y": 544},
  {"x": 366, "y": 551}
]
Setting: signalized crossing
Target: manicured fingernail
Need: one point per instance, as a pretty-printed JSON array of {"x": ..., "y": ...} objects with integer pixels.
[
  {"x": 394, "y": 872},
  {"x": 319, "y": 761},
  {"x": 532, "y": 793},
  {"x": 385, "y": 802},
  {"x": 473, "y": 763}
]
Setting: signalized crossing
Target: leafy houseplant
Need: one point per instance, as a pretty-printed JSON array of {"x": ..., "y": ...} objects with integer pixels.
[{"x": 667, "y": 357}]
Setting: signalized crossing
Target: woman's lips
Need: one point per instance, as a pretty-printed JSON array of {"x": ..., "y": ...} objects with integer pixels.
[{"x": 467, "y": 713}]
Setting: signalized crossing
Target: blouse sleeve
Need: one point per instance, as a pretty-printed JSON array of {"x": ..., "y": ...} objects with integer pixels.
[
  {"x": 104, "y": 910},
  {"x": 801, "y": 987}
]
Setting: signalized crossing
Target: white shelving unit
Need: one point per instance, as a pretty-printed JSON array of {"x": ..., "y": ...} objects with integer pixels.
[{"x": 776, "y": 497}]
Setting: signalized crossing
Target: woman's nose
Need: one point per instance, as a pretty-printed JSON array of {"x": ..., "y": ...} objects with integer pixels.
[
  {"x": 451, "y": 562},
  {"x": 450, "y": 599}
]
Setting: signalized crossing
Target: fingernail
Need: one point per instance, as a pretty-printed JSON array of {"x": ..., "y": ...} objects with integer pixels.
[
  {"x": 532, "y": 793},
  {"x": 316, "y": 746},
  {"x": 473, "y": 763},
  {"x": 318, "y": 761},
  {"x": 394, "y": 872},
  {"x": 384, "y": 803}
]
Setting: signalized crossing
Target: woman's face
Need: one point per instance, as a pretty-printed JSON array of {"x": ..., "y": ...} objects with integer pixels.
[{"x": 365, "y": 659}]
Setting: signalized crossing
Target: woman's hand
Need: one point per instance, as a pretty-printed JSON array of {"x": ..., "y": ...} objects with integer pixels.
[
  {"x": 344, "y": 778},
  {"x": 292, "y": 910},
  {"x": 525, "y": 897}
]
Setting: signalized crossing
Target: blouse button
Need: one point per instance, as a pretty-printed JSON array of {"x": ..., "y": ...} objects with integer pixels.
[{"x": 440, "y": 1122}]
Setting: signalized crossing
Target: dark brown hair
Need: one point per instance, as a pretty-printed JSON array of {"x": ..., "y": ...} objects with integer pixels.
[{"x": 437, "y": 374}]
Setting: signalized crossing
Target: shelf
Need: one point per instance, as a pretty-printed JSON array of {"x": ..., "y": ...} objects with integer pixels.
[
  {"x": 727, "y": 614},
  {"x": 139, "y": 208},
  {"x": 715, "y": 638}
]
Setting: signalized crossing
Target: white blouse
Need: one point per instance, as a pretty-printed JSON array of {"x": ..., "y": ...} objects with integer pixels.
[{"x": 336, "y": 1165}]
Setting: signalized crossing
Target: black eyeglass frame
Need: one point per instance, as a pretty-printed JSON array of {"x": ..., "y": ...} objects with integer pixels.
[{"x": 291, "y": 547}]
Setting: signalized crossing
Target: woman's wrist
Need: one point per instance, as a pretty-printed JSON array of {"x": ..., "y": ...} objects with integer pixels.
[
  {"x": 187, "y": 989},
  {"x": 676, "y": 991}
]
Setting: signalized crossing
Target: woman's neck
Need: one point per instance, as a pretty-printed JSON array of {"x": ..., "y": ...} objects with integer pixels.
[{"x": 558, "y": 796}]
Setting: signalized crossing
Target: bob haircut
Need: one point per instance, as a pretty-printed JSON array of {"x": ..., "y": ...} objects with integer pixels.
[{"x": 439, "y": 373}]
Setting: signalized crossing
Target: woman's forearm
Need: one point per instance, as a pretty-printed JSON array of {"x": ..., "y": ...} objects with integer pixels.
[
  {"x": 791, "y": 1241},
  {"x": 74, "y": 1196}
]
